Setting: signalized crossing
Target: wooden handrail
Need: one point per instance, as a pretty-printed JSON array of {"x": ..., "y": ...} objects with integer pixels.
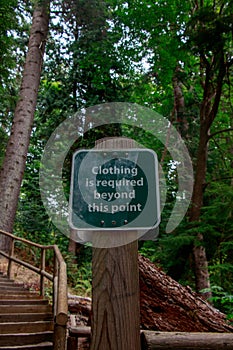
[
  {"x": 59, "y": 279},
  {"x": 26, "y": 241},
  {"x": 27, "y": 265}
]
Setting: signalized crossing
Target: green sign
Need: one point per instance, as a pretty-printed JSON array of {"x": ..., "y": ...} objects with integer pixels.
[{"x": 114, "y": 189}]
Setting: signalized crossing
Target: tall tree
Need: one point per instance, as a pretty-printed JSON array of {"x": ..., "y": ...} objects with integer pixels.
[
  {"x": 83, "y": 67},
  {"x": 13, "y": 166},
  {"x": 210, "y": 41},
  {"x": 189, "y": 53}
]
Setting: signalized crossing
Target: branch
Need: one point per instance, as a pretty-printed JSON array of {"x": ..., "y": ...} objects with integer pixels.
[
  {"x": 220, "y": 77},
  {"x": 219, "y": 132}
]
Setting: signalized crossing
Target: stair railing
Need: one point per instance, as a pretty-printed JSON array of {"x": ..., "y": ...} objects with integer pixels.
[{"x": 59, "y": 279}]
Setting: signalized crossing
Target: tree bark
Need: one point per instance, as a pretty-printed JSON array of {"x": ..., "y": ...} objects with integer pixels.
[
  {"x": 179, "y": 104},
  {"x": 168, "y": 307},
  {"x": 12, "y": 170},
  {"x": 199, "y": 253},
  {"x": 214, "y": 74}
]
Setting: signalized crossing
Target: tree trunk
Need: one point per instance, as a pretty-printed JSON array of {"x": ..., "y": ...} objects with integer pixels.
[
  {"x": 12, "y": 170},
  {"x": 179, "y": 104},
  {"x": 208, "y": 112},
  {"x": 199, "y": 253}
]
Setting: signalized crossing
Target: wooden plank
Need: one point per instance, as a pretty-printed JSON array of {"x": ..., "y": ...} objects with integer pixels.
[
  {"x": 21, "y": 309},
  {"x": 80, "y": 331},
  {"x": 25, "y": 301},
  {"x": 25, "y": 327},
  {"x": 186, "y": 341},
  {"x": 26, "y": 317},
  {"x": 115, "y": 283},
  {"x": 25, "y": 338},
  {"x": 19, "y": 295},
  {"x": 39, "y": 346}
]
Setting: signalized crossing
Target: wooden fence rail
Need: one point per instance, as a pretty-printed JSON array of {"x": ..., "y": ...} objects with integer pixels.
[
  {"x": 59, "y": 279},
  {"x": 155, "y": 340},
  {"x": 186, "y": 341}
]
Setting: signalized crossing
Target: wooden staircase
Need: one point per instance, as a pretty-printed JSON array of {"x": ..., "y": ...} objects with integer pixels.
[{"x": 26, "y": 319}]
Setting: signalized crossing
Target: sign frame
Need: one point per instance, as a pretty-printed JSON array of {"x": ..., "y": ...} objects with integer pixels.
[{"x": 142, "y": 158}]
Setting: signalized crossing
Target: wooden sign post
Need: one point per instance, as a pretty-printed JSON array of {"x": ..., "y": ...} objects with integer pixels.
[
  {"x": 115, "y": 288},
  {"x": 114, "y": 198}
]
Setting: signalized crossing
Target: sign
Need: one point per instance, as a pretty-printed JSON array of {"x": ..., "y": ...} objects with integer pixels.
[{"x": 114, "y": 189}]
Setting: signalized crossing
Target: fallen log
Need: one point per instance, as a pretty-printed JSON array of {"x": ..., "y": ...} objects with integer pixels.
[
  {"x": 79, "y": 308},
  {"x": 186, "y": 341},
  {"x": 167, "y": 306},
  {"x": 79, "y": 338},
  {"x": 79, "y": 305}
]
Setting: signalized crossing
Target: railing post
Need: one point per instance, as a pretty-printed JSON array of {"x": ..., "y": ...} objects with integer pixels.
[
  {"x": 55, "y": 284},
  {"x": 60, "y": 312},
  {"x": 10, "y": 262},
  {"x": 42, "y": 266},
  {"x": 59, "y": 337}
]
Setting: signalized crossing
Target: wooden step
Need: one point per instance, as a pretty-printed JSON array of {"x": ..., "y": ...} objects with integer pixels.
[
  {"x": 8, "y": 281},
  {"x": 19, "y": 295},
  {"x": 25, "y": 338},
  {"x": 26, "y": 318},
  {"x": 11, "y": 283},
  {"x": 19, "y": 301},
  {"x": 13, "y": 287},
  {"x": 40, "y": 346},
  {"x": 25, "y": 327},
  {"x": 4, "y": 279},
  {"x": 21, "y": 309},
  {"x": 29, "y": 317}
]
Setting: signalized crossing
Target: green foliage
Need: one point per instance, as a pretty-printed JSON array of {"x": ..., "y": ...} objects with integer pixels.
[
  {"x": 79, "y": 273},
  {"x": 129, "y": 51},
  {"x": 212, "y": 28},
  {"x": 7, "y": 23},
  {"x": 222, "y": 300},
  {"x": 173, "y": 253},
  {"x": 13, "y": 43},
  {"x": 3, "y": 138},
  {"x": 83, "y": 277}
]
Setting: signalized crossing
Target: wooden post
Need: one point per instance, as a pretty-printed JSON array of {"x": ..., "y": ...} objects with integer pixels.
[
  {"x": 59, "y": 337},
  {"x": 115, "y": 288},
  {"x": 60, "y": 301},
  {"x": 10, "y": 262},
  {"x": 55, "y": 285},
  {"x": 42, "y": 266}
]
